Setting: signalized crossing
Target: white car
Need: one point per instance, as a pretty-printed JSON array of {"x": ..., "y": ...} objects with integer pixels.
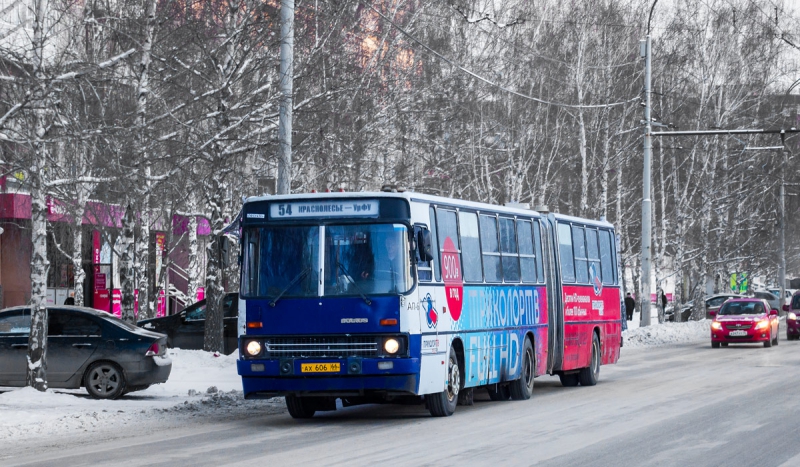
[
  {"x": 787, "y": 296},
  {"x": 775, "y": 303}
]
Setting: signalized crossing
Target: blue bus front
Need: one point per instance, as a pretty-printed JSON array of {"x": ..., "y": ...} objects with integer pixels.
[{"x": 323, "y": 283}]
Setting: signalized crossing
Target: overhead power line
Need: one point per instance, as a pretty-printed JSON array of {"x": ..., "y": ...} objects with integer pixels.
[{"x": 490, "y": 82}]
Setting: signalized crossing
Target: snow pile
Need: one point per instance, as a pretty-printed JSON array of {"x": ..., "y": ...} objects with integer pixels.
[{"x": 667, "y": 334}]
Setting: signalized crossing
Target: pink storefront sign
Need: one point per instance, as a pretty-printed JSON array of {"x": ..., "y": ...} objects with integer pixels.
[
  {"x": 102, "y": 300},
  {"x": 201, "y": 293},
  {"x": 116, "y": 302},
  {"x": 99, "y": 281},
  {"x": 96, "y": 247},
  {"x": 161, "y": 304}
]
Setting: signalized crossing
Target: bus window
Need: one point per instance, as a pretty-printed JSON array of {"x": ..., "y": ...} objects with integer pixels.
[
  {"x": 593, "y": 255},
  {"x": 250, "y": 273},
  {"x": 526, "y": 257},
  {"x": 286, "y": 264},
  {"x": 435, "y": 246},
  {"x": 579, "y": 246},
  {"x": 491, "y": 252},
  {"x": 565, "y": 253},
  {"x": 508, "y": 248},
  {"x": 366, "y": 258},
  {"x": 448, "y": 227},
  {"x": 606, "y": 261},
  {"x": 470, "y": 246},
  {"x": 537, "y": 243},
  {"x": 424, "y": 271}
]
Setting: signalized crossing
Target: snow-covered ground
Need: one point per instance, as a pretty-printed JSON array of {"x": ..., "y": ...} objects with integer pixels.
[
  {"x": 200, "y": 384},
  {"x": 204, "y": 385}
]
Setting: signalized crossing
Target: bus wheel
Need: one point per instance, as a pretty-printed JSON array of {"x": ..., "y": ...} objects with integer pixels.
[
  {"x": 522, "y": 388},
  {"x": 299, "y": 407},
  {"x": 569, "y": 380},
  {"x": 590, "y": 375},
  {"x": 498, "y": 392},
  {"x": 443, "y": 404}
]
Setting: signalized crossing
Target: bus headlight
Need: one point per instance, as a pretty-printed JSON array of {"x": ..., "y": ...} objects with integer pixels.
[
  {"x": 253, "y": 348},
  {"x": 391, "y": 346}
]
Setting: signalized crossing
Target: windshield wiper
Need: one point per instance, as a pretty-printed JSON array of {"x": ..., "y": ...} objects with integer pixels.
[
  {"x": 358, "y": 289},
  {"x": 291, "y": 284}
]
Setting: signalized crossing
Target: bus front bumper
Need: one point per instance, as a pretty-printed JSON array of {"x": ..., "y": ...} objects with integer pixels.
[{"x": 356, "y": 377}]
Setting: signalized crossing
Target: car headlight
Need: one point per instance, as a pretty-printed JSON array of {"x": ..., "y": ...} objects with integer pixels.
[
  {"x": 391, "y": 346},
  {"x": 716, "y": 325},
  {"x": 253, "y": 348},
  {"x": 762, "y": 324},
  {"x": 791, "y": 316}
]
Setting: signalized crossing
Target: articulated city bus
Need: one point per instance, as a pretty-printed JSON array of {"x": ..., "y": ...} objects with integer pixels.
[{"x": 387, "y": 297}]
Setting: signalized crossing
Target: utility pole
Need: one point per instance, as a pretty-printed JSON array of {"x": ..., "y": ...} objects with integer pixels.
[
  {"x": 782, "y": 266},
  {"x": 647, "y": 219},
  {"x": 285, "y": 118}
]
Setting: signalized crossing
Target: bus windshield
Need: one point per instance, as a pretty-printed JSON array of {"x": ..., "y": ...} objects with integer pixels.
[{"x": 363, "y": 259}]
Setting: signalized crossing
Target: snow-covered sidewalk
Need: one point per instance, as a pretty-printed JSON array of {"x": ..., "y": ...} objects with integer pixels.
[
  {"x": 665, "y": 334},
  {"x": 200, "y": 384}
]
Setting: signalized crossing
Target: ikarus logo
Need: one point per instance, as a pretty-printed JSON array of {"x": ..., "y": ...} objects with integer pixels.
[{"x": 355, "y": 320}]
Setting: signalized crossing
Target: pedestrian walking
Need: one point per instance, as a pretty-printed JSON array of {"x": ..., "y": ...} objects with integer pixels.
[{"x": 630, "y": 305}]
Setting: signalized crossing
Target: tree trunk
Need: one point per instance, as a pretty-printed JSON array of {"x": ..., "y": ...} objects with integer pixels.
[
  {"x": 37, "y": 340},
  {"x": 77, "y": 245},
  {"x": 127, "y": 274},
  {"x": 213, "y": 339}
]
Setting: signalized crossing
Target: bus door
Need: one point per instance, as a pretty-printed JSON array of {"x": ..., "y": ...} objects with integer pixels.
[{"x": 555, "y": 307}]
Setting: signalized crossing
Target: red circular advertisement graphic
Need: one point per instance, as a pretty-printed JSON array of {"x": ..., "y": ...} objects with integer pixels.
[{"x": 451, "y": 274}]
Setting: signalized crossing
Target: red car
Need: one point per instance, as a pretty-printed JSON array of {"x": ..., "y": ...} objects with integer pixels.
[
  {"x": 745, "y": 320},
  {"x": 792, "y": 320}
]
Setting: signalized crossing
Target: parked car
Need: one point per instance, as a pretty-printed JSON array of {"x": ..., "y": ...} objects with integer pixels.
[
  {"x": 773, "y": 299},
  {"x": 85, "y": 348},
  {"x": 793, "y": 318},
  {"x": 186, "y": 329},
  {"x": 712, "y": 304},
  {"x": 745, "y": 320}
]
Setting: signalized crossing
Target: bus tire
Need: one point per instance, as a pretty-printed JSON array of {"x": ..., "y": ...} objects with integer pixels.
[
  {"x": 591, "y": 374},
  {"x": 299, "y": 407},
  {"x": 443, "y": 404},
  {"x": 498, "y": 392},
  {"x": 522, "y": 387},
  {"x": 569, "y": 380}
]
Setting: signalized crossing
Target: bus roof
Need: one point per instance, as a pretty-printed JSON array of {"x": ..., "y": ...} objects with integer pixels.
[
  {"x": 421, "y": 197},
  {"x": 581, "y": 220}
]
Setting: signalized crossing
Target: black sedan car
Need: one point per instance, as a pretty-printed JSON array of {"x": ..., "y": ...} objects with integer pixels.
[
  {"x": 186, "y": 329},
  {"x": 712, "y": 304},
  {"x": 85, "y": 347}
]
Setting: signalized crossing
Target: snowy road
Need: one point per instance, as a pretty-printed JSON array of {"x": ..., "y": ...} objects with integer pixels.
[{"x": 678, "y": 405}]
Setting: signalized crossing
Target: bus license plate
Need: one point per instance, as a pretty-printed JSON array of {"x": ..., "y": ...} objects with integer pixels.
[
  {"x": 319, "y": 367},
  {"x": 737, "y": 333}
]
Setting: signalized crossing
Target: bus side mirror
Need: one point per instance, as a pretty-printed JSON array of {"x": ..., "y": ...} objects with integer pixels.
[{"x": 424, "y": 248}]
